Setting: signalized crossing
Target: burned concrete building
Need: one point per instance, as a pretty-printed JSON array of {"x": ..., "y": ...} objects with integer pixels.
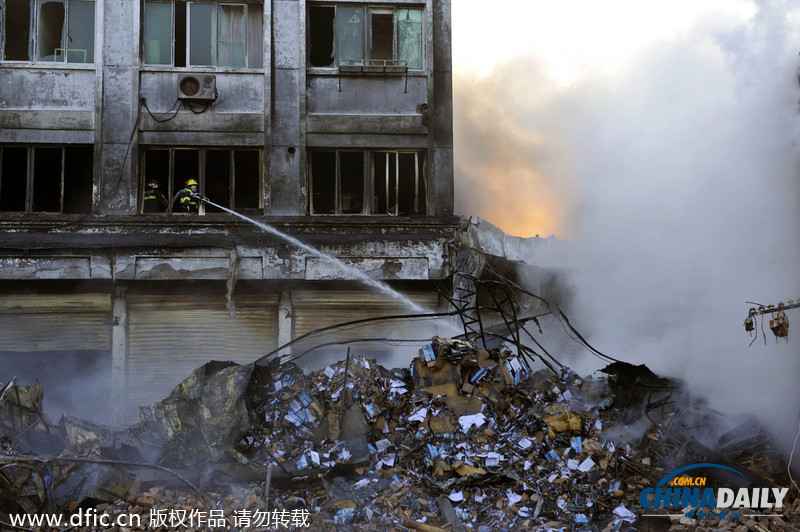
[{"x": 329, "y": 121}]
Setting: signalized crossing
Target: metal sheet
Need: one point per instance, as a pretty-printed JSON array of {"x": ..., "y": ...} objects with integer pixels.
[
  {"x": 170, "y": 336},
  {"x": 53, "y": 322},
  {"x": 315, "y": 309}
]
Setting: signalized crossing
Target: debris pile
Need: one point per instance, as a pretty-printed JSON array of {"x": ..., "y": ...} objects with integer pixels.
[{"x": 463, "y": 439}]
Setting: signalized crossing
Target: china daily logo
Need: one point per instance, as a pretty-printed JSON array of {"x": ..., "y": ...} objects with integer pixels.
[{"x": 679, "y": 490}]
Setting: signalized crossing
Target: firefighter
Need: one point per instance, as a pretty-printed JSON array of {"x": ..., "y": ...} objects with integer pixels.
[
  {"x": 188, "y": 198},
  {"x": 154, "y": 200}
]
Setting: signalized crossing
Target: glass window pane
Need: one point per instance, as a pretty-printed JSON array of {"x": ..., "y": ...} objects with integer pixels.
[
  {"x": 409, "y": 36},
  {"x": 18, "y": 33},
  {"x": 13, "y": 179},
  {"x": 351, "y": 177},
  {"x": 232, "y": 34},
  {"x": 80, "y": 37},
  {"x": 381, "y": 42},
  {"x": 255, "y": 36},
  {"x": 323, "y": 182},
  {"x": 350, "y": 34},
  {"x": 158, "y": 33},
  {"x": 320, "y": 36},
  {"x": 47, "y": 180},
  {"x": 51, "y": 31},
  {"x": 78, "y": 179},
  {"x": 247, "y": 177},
  {"x": 218, "y": 179},
  {"x": 202, "y": 34}
]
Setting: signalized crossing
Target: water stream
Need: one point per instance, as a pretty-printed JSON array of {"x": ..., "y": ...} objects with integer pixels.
[{"x": 349, "y": 270}]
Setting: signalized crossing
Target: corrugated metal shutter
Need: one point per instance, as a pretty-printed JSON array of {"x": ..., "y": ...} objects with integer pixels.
[
  {"x": 55, "y": 322},
  {"x": 170, "y": 336},
  {"x": 315, "y": 309}
]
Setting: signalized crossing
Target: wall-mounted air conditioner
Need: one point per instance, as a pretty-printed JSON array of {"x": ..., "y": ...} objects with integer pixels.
[{"x": 197, "y": 87}]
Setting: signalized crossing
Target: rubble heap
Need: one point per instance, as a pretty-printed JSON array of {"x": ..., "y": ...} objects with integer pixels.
[{"x": 463, "y": 439}]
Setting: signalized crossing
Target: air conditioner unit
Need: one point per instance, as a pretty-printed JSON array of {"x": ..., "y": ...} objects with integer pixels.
[{"x": 197, "y": 88}]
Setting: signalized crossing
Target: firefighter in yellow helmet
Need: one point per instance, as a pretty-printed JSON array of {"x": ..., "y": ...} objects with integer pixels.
[{"x": 188, "y": 198}]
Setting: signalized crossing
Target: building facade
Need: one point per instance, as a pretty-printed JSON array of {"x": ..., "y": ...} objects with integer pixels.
[{"x": 326, "y": 122}]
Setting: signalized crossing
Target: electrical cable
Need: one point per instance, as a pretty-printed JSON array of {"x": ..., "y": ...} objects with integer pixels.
[
  {"x": 791, "y": 456},
  {"x": 174, "y": 110}
]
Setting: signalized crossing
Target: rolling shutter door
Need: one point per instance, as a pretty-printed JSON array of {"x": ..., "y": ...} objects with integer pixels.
[
  {"x": 170, "y": 336},
  {"x": 315, "y": 309},
  {"x": 54, "y": 322}
]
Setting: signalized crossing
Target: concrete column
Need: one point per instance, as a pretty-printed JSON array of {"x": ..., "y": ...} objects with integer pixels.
[
  {"x": 285, "y": 320},
  {"x": 441, "y": 109},
  {"x": 119, "y": 352},
  {"x": 287, "y": 188}
]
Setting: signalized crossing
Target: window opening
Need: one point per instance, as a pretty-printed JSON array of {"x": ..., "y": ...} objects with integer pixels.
[
  {"x": 351, "y": 180},
  {"x": 13, "y": 179},
  {"x": 338, "y": 184},
  {"x": 218, "y": 179},
  {"x": 346, "y": 35},
  {"x": 51, "y": 24},
  {"x": 63, "y": 29},
  {"x": 78, "y": 180},
  {"x": 247, "y": 172},
  {"x": 228, "y": 177},
  {"x": 381, "y": 34},
  {"x": 323, "y": 182},
  {"x": 208, "y": 34},
  {"x": 46, "y": 179},
  {"x": 17, "y": 33},
  {"x": 320, "y": 33}
]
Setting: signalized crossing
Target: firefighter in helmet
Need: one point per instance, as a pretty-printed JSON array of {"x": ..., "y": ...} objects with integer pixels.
[
  {"x": 188, "y": 198},
  {"x": 153, "y": 199}
]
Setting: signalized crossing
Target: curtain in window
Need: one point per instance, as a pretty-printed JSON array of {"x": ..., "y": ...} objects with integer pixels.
[
  {"x": 51, "y": 30},
  {"x": 158, "y": 33},
  {"x": 409, "y": 36},
  {"x": 350, "y": 34},
  {"x": 80, "y": 36},
  {"x": 231, "y": 35},
  {"x": 202, "y": 34},
  {"x": 255, "y": 36}
]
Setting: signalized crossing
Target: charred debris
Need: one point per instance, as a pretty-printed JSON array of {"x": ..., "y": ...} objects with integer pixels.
[{"x": 486, "y": 431}]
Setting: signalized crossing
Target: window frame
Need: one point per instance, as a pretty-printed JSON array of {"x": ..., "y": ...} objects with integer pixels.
[
  {"x": 369, "y": 192},
  {"x": 173, "y": 189},
  {"x": 366, "y": 63},
  {"x": 251, "y": 9},
  {"x": 33, "y": 35}
]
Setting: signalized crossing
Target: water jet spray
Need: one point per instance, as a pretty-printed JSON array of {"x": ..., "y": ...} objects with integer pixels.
[{"x": 350, "y": 270}]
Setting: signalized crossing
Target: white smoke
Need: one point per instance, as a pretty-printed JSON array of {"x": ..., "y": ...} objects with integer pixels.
[{"x": 684, "y": 177}]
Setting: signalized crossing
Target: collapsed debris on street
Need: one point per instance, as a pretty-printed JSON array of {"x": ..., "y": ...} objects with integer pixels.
[{"x": 465, "y": 438}]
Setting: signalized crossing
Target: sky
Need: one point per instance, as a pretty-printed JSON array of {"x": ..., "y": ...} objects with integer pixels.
[{"x": 664, "y": 139}]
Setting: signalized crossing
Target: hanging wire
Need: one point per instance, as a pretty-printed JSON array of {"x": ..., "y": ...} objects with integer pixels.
[{"x": 791, "y": 456}]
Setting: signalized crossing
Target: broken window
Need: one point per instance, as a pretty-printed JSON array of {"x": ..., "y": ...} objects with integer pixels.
[
  {"x": 63, "y": 30},
  {"x": 228, "y": 177},
  {"x": 356, "y": 35},
  {"x": 396, "y": 185},
  {"x": 47, "y": 179},
  {"x": 203, "y": 34},
  {"x": 337, "y": 182}
]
